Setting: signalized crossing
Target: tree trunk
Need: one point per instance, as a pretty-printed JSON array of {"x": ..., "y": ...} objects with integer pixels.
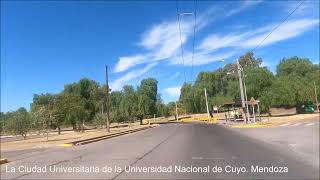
[
  {"x": 59, "y": 130},
  {"x": 74, "y": 126},
  {"x": 47, "y": 135}
]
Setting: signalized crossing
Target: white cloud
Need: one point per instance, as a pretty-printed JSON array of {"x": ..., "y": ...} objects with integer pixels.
[
  {"x": 288, "y": 30},
  {"x": 173, "y": 91},
  {"x": 201, "y": 58},
  {"x": 251, "y": 39},
  {"x": 307, "y": 8},
  {"x": 162, "y": 41},
  {"x": 127, "y": 62},
  {"x": 215, "y": 41},
  {"x": 120, "y": 82},
  {"x": 244, "y": 5}
]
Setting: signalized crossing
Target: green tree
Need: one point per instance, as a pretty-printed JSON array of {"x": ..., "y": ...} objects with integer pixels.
[
  {"x": 249, "y": 61},
  {"x": 42, "y": 111},
  {"x": 161, "y": 107},
  {"x": 19, "y": 123},
  {"x": 115, "y": 102},
  {"x": 129, "y": 101},
  {"x": 295, "y": 66},
  {"x": 147, "y": 97},
  {"x": 87, "y": 90},
  {"x": 257, "y": 81},
  {"x": 187, "y": 97}
]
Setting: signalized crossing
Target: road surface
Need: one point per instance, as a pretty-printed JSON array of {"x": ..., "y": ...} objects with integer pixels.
[{"x": 172, "y": 151}]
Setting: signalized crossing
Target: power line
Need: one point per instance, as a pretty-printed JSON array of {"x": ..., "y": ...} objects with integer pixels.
[
  {"x": 285, "y": 19},
  {"x": 194, "y": 33},
  {"x": 182, "y": 56}
]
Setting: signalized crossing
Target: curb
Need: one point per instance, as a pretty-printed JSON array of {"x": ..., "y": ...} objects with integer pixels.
[
  {"x": 3, "y": 161},
  {"x": 252, "y": 125},
  {"x": 99, "y": 138}
]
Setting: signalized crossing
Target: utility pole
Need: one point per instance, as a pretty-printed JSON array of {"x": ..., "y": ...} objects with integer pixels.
[
  {"x": 241, "y": 89},
  {"x": 205, "y": 93},
  {"x": 315, "y": 93},
  {"x": 246, "y": 98},
  {"x": 254, "y": 115},
  {"x": 107, "y": 84},
  {"x": 177, "y": 115}
]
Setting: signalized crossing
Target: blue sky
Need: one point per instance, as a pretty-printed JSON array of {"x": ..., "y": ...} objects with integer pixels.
[{"x": 45, "y": 45}]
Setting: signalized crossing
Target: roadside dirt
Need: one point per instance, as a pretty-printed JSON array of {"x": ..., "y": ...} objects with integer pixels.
[{"x": 65, "y": 137}]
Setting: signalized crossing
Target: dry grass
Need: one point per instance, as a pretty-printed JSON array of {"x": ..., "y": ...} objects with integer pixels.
[{"x": 296, "y": 117}]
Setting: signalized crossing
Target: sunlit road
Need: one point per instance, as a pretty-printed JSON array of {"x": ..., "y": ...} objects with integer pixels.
[{"x": 189, "y": 146}]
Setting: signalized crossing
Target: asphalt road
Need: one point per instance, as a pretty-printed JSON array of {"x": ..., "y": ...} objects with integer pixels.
[{"x": 184, "y": 147}]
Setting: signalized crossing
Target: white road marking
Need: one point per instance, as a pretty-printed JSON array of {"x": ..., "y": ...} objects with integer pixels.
[
  {"x": 197, "y": 157},
  {"x": 215, "y": 158},
  {"x": 296, "y": 124},
  {"x": 310, "y": 124},
  {"x": 286, "y": 124}
]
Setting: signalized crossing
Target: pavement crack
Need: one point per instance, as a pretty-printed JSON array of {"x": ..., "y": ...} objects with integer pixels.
[{"x": 145, "y": 154}]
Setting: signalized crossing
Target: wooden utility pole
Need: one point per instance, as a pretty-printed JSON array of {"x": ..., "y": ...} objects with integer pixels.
[
  {"x": 315, "y": 93},
  {"x": 205, "y": 94},
  {"x": 108, "y": 109},
  {"x": 177, "y": 115},
  {"x": 241, "y": 91}
]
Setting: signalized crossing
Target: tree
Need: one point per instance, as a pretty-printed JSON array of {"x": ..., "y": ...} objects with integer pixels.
[
  {"x": 86, "y": 89},
  {"x": 4, "y": 120},
  {"x": 257, "y": 81},
  {"x": 172, "y": 109},
  {"x": 129, "y": 101},
  {"x": 75, "y": 111},
  {"x": 249, "y": 61},
  {"x": 42, "y": 109},
  {"x": 100, "y": 119},
  {"x": 187, "y": 97},
  {"x": 147, "y": 97},
  {"x": 19, "y": 123},
  {"x": 295, "y": 66},
  {"x": 115, "y": 101},
  {"x": 161, "y": 107}
]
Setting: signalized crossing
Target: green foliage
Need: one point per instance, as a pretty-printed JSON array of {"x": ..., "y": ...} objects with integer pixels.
[
  {"x": 19, "y": 123},
  {"x": 85, "y": 101},
  {"x": 295, "y": 66},
  {"x": 147, "y": 97},
  {"x": 291, "y": 87},
  {"x": 249, "y": 61},
  {"x": 129, "y": 102},
  {"x": 100, "y": 119},
  {"x": 257, "y": 81}
]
